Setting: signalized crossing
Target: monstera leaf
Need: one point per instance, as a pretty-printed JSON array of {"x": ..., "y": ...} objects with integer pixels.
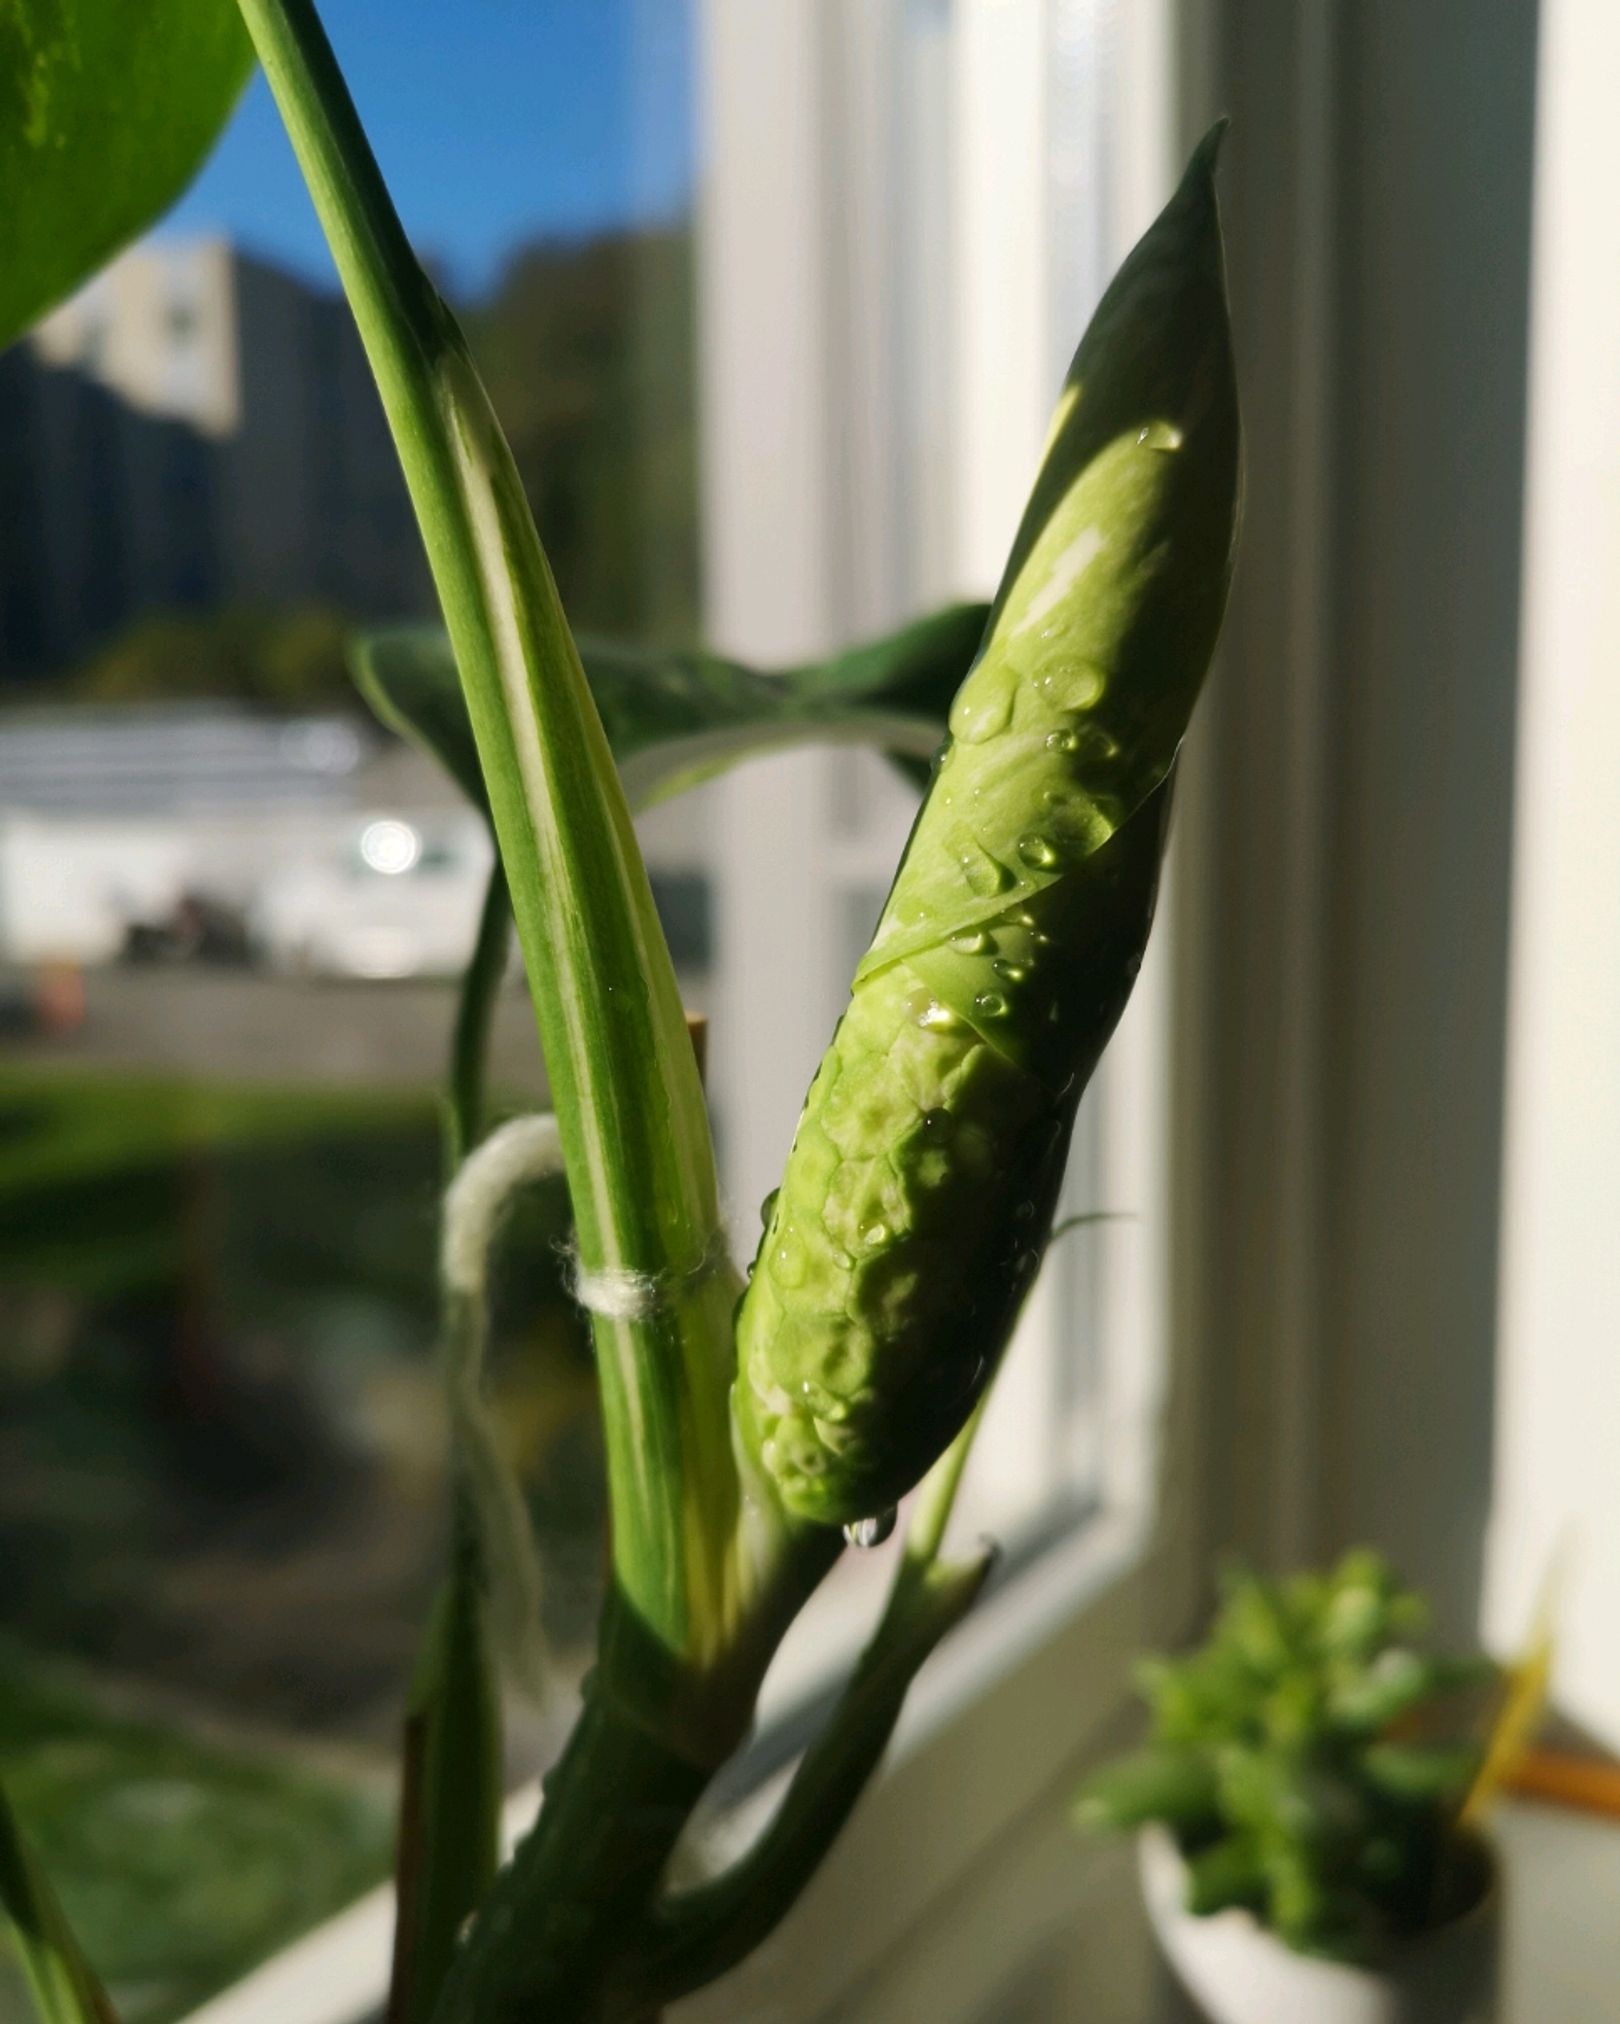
[
  {"x": 674, "y": 719},
  {"x": 107, "y": 110}
]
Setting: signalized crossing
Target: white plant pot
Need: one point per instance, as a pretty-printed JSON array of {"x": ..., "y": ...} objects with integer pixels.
[{"x": 1242, "y": 1974}]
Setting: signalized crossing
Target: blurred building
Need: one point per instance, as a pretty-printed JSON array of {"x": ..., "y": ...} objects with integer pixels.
[
  {"x": 111, "y": 818},
  {"x": 195, "y": 428},
  {"x": 339, "y": 851}
]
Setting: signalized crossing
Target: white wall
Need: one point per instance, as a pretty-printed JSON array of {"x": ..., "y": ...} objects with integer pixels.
[{"x": 1558, "y": 1416}]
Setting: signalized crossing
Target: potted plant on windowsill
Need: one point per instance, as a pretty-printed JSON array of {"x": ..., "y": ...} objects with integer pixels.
[{"x": 1306, "y": 1844}]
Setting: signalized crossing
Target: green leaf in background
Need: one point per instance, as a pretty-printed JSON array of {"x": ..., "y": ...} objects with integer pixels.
[
  {"x": 1423, "y": 1774},
  {"x": 1176, "y": 1786},
  {"x": 107, "y": 110},
  {"x": 674, "y": 719},
  {"x": 63, "y": 1983}
]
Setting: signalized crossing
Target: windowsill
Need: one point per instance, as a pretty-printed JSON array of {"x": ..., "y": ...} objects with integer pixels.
[
  {"x": 1563, "y": 1939},
  {"x": 337, "y": 1974},
  {"x": 1056, "y": 1928},
  {"x": 1046, "y": 1579}
]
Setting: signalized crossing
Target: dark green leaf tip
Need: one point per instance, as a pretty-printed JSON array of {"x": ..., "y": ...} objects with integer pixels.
[
  {"x": 1207, "y": 154},
  {"x": 1197, "y": 186}
]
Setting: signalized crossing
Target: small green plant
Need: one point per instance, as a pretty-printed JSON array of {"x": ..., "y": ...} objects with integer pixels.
[
  {"x": 1312, "y": 1762},
  {"x": 753, "y": 1426}
]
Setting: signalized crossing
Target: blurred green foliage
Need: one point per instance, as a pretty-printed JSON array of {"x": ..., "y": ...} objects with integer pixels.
[
  {"x": 588, "y": 352},
  {"x": 289, "y": 659},
  {"x": 84, "y": 1153},
  {"x": 220, "y": 1478},
  {"x": 208, "y": 1295},
  {"x": 1311, "y": 1760},
  {"x": 218, "y": 1309},
  {"x": 179, "y": 1861}
]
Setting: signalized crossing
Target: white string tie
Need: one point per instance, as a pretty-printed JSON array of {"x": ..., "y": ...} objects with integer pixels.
[{"x": 621, "y": 1295}]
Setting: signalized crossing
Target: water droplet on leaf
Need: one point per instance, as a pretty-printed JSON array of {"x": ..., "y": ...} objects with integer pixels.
[
  {"x": 981, "y": 710},
  {"x": 985, "y": 875},
  {"x": 869, "y": 1532}
]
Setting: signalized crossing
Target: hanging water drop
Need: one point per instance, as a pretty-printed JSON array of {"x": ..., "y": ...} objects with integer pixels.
[{"x": 869, "y": 1532}]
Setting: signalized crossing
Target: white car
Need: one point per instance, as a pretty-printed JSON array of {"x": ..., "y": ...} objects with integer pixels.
[{"x": 396, "y": 897}]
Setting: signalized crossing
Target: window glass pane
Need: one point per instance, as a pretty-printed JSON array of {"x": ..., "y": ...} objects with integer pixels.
[{"x": 231, "y": 913}]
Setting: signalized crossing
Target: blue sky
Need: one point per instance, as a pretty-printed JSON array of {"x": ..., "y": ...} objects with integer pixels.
[{"x": 495, "y": 121}]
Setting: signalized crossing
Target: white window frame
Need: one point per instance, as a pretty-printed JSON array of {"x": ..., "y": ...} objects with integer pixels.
[
  {"x": 1558, "y": 1402},
  {"x": 1351, "y": 810}
]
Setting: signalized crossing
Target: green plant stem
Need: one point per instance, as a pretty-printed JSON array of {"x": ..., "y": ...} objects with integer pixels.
[
  {"x": 936, "y": 1497},
  {"x": 703, "y": 1933},
  {"x": 711, "y": 1930},
  {"x": 475, "y": 1013},
  {"x": 551, "y": 1941},
  {"x": 617, "y": 1802}
]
